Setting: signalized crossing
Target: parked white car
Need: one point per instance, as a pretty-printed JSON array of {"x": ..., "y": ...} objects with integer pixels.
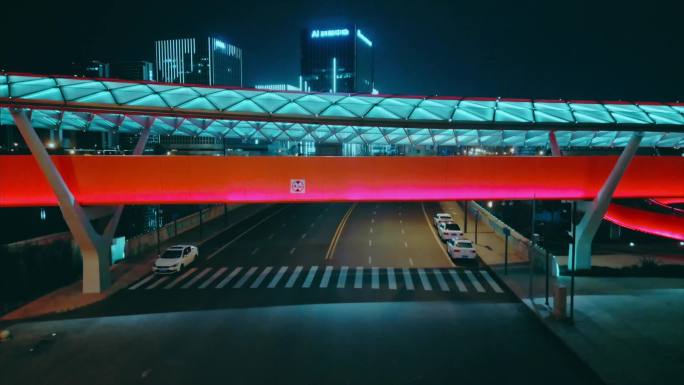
[
  {"x": 441, "y": 217},
  {"x": 461, "y": 249},
  {"x": 175, "y": 259},
  {"x": 449, "y": 230}
]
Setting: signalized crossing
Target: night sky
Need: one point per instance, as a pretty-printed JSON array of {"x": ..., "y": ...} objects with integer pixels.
[{"x": 546, "y": 49}]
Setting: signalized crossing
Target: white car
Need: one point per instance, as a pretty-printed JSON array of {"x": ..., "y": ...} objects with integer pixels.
[
  {"x": 461, "y": 249},
  {"x": 441, "y": 217},
  {"x": 175, "y": 259},
  {"x": 449, "y": 230}
]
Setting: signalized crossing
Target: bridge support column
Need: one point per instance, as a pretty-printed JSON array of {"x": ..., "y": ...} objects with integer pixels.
[
  {"x": 555, "y": 149},
  {"x": 596, "y": 209}
]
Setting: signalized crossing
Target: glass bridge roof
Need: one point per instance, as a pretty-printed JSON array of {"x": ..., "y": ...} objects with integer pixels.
[{"x": 125, "y": 106}]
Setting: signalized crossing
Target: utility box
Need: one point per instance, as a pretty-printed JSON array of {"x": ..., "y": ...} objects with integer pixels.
[{"x": 560, "y": 296}]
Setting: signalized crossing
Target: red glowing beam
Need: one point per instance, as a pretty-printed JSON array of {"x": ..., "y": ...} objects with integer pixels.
[
  {"x": 109, "y": 180},
  {"x": 669, "y": 226}
]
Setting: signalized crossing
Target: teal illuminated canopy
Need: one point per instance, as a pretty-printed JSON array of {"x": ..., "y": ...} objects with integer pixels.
[{"x": 125, "y": 106}]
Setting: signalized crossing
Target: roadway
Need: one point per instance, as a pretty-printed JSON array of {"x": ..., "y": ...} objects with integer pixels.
[{"x": 333, "y": 293}]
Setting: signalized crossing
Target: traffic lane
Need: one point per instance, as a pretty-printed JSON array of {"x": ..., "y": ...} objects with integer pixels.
[
  {"x": 296, "y": 236},
  {"x": 392, "y": 235},
  {"x": 361, "y": 343}
]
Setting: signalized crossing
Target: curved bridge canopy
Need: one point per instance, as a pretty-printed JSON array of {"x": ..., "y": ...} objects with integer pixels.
[{"x": 125, "y": 106}]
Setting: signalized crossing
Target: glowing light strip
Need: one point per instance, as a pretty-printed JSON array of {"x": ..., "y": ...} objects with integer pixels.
[{"x": 363, "y": 38}]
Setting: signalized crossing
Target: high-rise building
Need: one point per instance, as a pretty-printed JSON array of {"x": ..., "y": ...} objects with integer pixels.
[
  {"x": 132, "y": 70},
  {"x": 205, "y": 60},
  {"x": 91, "y": 69},
  {"x": 337, "y": 60}
]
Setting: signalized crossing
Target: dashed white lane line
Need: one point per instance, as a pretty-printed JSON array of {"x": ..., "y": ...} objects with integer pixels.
[
  {"x": 229, "y": 278},
  {"x": 312, "y": 224},
  {"x": 372, "y": 220},
  {"x": 144, "y": 281},
  {"x": 370, "y": 242},
  {"x": 277, "y": 277},
  {"x": 440, "y": 280},
  {"x": 401, "y": 221},
  {"x": 220, "y": 249},
  {"x": 292, "y": 250},
  {"x": 326, "y": 277},
  {"x": 283, "y": 225},
  {"x": 260, "y": 278},
  {"x": 196, "y": 278},
  {"x": 373, "y": 212},
  {"x": 391, "y": 278},
  {"x": 457, "y": 280},
  {"x": 256, "y": 250},
  {"x": 370, "y": 260},
  {"x": 491, "y": 281},
  {"x": 303, "y": 235},
  {"x": 402, "y": 231},
  {"x": 424, "y": 280},
  {"x": 358, "y": 279},
  {"x": 342, "y": 278},
  {"x": 152, "y": 286},
  {"x": 213, "y": 278},
  {"x": 406, "y": 244},
  {"x": 408, "y": 282},
  {"x": 371, "y": 230},
  {"x": 474, "y": 281},
  {"x": 271, "y": 236},
  {"x": 310, "y": 277},
  {"x": 180, "y": 278},
  {"x": 411, "y": 261},
  {"x": 295, "y": 274},
  {"x": 375, "y": 278}
]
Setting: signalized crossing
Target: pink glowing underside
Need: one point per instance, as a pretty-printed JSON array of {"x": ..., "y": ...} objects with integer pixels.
[{"x": 669, "y": 226}]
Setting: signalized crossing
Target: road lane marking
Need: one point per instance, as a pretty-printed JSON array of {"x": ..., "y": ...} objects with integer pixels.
[
  {"x": 370, "y": 242},
  {"x": 370, "y": 260},
  {"x": 424, "y": 280},
  {"x": 144, "y": 281},
  {"x": 283, "y": 225},
  {"x": 303, "y": 235},
  {"x": 408, "y": 282},
  {"x": 196, "y": 278},
  {"x": 375, "y": 278},
  {"x": 312, "y": 225},
  {"x": 491, "y": 281},
  {"x": 220, "y": 249},
  {"x": 391, "y": 278},
  {"x": 245, "y": 277},
  {"x": 271, "y": 236},
  {"x": 342, "y": 279},
  {"x": 373, "y": 212},
  {"x": 411, "y": 261},
  {"x": 399, "y": 213},
  {"x": 338, "y": 233},
  {"x": 180, "y": 278},
  {"x": 293, "y": 277},
  {"x": 229, "y": 278},
  {"x": 372, "y": 220},
  {"x": 213, "y": 278},
  {"x": 371, "y": 230},
  {"x": 261, "y": 277},
  {"x": 457, "y": 280},
  {"x": 310, "y": 277},
  {"x": 255, "y": 250},
  {"x": 474, "y": 281},
  {"x": 293, "y": 250},
  {"x": 326, "y": 277},
  {"x": 440, "y": 280},
  {"x": 432, "y": 229},
  {"x": 358, "y": 279},
  {"x": 277, "y": 277},
  {"x": 406, "y": 244},
  {"x": 402, "y": 231},
  {"x": 401, "y": 221},
  {"x": 157, "y": 283}
]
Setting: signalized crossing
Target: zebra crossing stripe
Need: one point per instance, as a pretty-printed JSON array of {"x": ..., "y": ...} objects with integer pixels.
[
  {"x": 229, "y": 278},
  {"x": 375, "y": 279},
  {"x": 424, "y": 280},
  {"x": 310, "y": 277},
  {"x": 459, "y": 283},
  {"x": 342, "y": 279},
  {"x": 293, "y": 277},
  {"x": 391, "y": 279},
  {"x": 326, "y": 277},
  {"x": 196, "y": 278},
  {"x": 408, "y": 282},
  {"x": 180, "y": 278},
  {"x": 277, "y": 277},
  {"x": 159, "y": 281},
  {"x": 260, "y": 278},
  {"x": 474, "y": 281},
  {"x": 358, "y": 279},
  {"x": 440, "y": 280},
  {"x": 213, "y": 278},
  {"x": 491, "y": 281},
  {"x": 245, "y": 277},
  {"x": 144, "y": 281}
]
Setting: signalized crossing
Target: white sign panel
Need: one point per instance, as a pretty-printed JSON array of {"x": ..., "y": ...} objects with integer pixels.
[{"x": 297, "y": 186}]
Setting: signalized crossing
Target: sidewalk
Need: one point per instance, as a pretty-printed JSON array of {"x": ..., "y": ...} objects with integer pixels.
[
  {"x": 123, "y": 274},
  {"x": 628, "y": 330}
]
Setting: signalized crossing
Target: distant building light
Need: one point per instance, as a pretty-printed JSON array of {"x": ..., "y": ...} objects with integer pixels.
[
  {"x": 363, "y": 38},
  {"x": 168, "y": 152},
  {"x": 681, "y": 243},
  {"x": 50, "y": 144},
  {"x": 72, "y": 151},
  {"x": 490, "y": 204},
  {"x": 631, "y": 244},
  {"x": 315, "y": 34},
  {"x": 43, "y": 215},
  {"x": 375, "y": 92},
  {"x": 219, "y": 44},
  {"x": 15, "y": 144},
  {"x": 512, "y": 150},
  {"x": 541, "y": 152}
]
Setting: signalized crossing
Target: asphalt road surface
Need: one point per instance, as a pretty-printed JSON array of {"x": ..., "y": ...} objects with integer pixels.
[{"x": 303, "y": 294}]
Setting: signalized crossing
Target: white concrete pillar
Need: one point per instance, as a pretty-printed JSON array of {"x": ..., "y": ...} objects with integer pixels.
[{"x": 595, "y": 210}]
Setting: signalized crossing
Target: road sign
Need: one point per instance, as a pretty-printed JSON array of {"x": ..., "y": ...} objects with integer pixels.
[{"x": 297, "y": 186}]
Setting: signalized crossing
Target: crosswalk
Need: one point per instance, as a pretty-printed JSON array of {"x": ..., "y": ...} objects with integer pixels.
[{"x": 477, "y": 281}]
